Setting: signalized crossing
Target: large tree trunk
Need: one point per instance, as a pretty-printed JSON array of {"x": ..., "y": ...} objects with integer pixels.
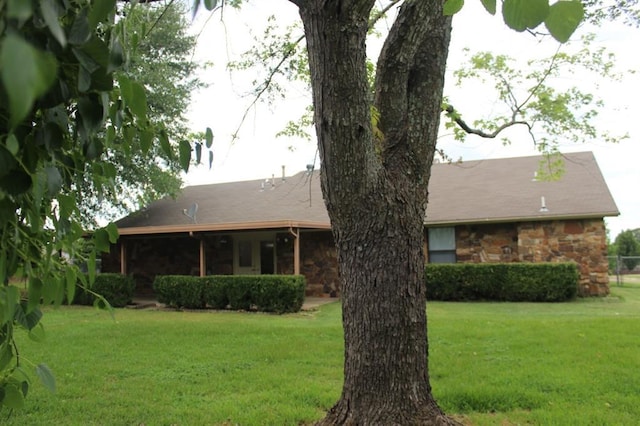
[{"x": 375, "y": 189}]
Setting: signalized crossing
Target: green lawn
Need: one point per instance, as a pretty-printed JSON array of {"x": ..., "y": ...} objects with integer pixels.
[{"x": 491, "y": 363}]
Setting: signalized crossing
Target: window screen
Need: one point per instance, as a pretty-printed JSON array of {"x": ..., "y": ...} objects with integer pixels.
[{"x": 442, "y": 245}]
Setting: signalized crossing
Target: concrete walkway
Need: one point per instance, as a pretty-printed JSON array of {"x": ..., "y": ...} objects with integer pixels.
[{"x": 310, "y": 303}]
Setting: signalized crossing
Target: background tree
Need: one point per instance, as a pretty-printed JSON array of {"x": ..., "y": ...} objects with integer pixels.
[
  {"x": 160, "y": 58},
  {"x": 627, "y": 244}
]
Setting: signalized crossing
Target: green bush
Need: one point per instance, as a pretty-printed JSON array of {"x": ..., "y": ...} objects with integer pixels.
[
  {"x": 180, "y": 291},
  {"x": 268, "y": 293},
  {"x": 515, "y": 282},
  {"x": 239, "y": 290},
  {"x": 117, "y": 289},
  {"x": 215, "y": 293},
  {"x": 280, "y": 294}
]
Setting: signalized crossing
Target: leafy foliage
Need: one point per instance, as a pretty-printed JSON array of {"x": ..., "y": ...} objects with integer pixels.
[
  {"x": 67, "y": 113},
  {"x": 159, "y": 60},
  {"x": 627, "y": 244},
  {"x": 538, "y": 98}
]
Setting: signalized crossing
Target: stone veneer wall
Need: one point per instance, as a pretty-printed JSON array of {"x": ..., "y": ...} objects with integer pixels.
[
  {"x": 487, "y": 243},
  {"x": 319, "y": 263},
  {"x": 582, "y": 241}
]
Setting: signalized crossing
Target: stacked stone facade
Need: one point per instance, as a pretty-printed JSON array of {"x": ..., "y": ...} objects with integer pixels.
[
  {"x": 319, "y": 263},
  {"x": 580, "y": 241}
]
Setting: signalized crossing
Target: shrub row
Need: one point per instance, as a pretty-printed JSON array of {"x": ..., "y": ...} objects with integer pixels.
[
  {"x": 268, "y": 293},
  {"x": 117, "y": 289},
  {"x": 513, "y": 282}
]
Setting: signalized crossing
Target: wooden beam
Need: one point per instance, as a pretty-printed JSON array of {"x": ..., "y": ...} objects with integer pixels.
[
  {"x": 123, "y": 257},
  {"x": 203, "y": 258},
  {"x": 296, "y": 250}
]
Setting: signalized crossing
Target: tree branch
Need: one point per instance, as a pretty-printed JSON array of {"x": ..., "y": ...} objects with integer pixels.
[{"x": 455, "y": 116}]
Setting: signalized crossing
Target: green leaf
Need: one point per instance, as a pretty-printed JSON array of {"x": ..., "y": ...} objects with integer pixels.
[
  {"x": 198, "y": 152},
  {"x": 84, "y": 79},
  {"x": 112, "y": 230},
  {"x": 46, "y": 377},
  {"x": 50, "y": 16},
  {"x": 67, "y": 204},
  {"x": 34, "y": 291},
  {"x": 138, "y": 100},
  {"x": 98, "y": 51},
  {"x": 522, "y": 14},
  {"x": 101, "y": 238},
  {"x": 146, "y": 139},
  {"x": 54, "y": 180},
  {"x": 19, "y": 9},
  {"x": 71, "y": 279},
  {"x": 185, "y": 155},
  {"x": 37, "y": 333},
  {"x": 116, "y": 55},
  {"x": 27, "y": 74},
  {"x": 33, "y": 318},
  {"x": 210, "y": 4},
  {"x": 451, "y": 7},
  {"x": 7, "y": 161},
  {"x": 80, "y": 32},
  {"x": 91, "y": 111},
  {"x": 12, "y": 144},
  {"x": 165, "y": 145},
  {"x": 6, "y": 355},
  {"x": 563, "y": 19},
  {"x": 100, "y": 11},
  {"x": 9, "y": 297},
  {"x": 109, "y": 171},
  {"x": 490, "y": 6},
  {"x": 208, "y": 135},
  {"x": 91, "y": 267},
  {"x": 13, "y": 397},
  {"x": 210, "y": 159}
]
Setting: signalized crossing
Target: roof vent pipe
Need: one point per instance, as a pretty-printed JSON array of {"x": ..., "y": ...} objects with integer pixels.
[{"x": 543, "y": 205}]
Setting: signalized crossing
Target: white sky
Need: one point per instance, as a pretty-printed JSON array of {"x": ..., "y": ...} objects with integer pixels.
[{"x": 258, "y": 153}]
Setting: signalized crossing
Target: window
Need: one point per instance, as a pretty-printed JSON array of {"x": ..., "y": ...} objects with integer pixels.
[{"x": 442, "y": 245}]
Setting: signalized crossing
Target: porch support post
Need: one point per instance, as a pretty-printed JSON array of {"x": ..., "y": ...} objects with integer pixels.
[
  {"x": 203, "y": 258},
  {"x": 123, "y": 257},
  {"x": 296, "y": 251}
]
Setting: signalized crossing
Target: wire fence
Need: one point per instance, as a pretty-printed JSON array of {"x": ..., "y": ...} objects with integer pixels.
[{"x": 621, "y": 265}]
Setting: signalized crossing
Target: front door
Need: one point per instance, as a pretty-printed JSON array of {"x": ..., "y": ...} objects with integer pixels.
[{"x": 254, "y": 254}]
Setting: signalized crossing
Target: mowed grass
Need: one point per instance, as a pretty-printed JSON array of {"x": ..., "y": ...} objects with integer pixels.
[{"x": 491, "y": 363}]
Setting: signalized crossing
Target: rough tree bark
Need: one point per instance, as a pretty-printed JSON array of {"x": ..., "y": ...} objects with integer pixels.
[{"x": 375, "y": 190}]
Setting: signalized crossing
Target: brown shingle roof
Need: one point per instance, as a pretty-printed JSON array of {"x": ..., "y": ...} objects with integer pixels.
[{"x": 499, "y": 190}]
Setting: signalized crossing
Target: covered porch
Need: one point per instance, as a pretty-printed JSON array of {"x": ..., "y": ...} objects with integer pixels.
[{"x": 231, "y": 249}]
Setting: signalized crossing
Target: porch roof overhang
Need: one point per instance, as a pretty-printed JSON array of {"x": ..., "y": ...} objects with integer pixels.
[{"x": 223, "y": 227}]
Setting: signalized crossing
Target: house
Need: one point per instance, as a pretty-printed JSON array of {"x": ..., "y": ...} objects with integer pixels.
[{"x": 479, "y": 211}]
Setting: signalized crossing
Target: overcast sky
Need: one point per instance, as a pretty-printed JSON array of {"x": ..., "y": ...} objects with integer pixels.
[{"x": 258, "y": 153}]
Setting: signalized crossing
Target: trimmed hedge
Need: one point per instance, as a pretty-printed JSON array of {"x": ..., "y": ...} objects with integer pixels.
[
  {"x": 512, "y": 282},
  {"x": 267, "y": 293},
  {"x": 117, "y": 289}
]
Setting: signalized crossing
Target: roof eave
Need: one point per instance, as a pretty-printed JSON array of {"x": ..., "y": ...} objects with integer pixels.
[
  {"x": 537, "y": 218},
  {"x": 213, "y": 227}
]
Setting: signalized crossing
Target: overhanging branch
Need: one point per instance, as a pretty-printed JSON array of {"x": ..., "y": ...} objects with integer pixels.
[{"x": 455, "y": 116}]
